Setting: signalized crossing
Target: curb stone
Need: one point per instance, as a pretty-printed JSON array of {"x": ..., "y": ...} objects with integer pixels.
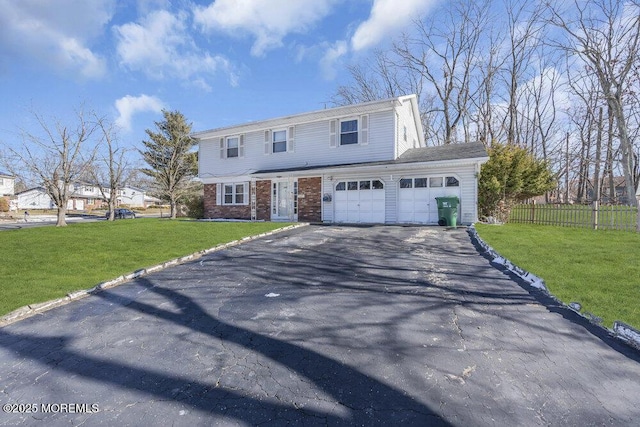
[
  {"x": 38, "y": 308},
  {"x": 620, "y": 330}
]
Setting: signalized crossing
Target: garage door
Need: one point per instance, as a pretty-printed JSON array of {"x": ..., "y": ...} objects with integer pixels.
[
  {"x": 359, "y": 201},
  {"x": 417, "y": 197}
]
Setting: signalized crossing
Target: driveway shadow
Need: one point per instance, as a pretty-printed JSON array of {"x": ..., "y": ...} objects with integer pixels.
[{"x": 358, "y": 398}]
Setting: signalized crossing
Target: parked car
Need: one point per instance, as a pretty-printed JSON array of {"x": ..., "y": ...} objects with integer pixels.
[{"x": 121, "y": 214}]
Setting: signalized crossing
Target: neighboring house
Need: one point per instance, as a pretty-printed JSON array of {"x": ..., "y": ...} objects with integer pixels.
[
  {"x": 364, "y": 163},
  {"x": 7, "y": 184},
  {"x": 34, "y": 198},
  {"x": 82, "y": 196},
  {"x": 135, "y": 198}
]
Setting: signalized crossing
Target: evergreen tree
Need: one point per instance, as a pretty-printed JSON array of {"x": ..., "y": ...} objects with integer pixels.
[
  {"x": 511, "y": 175},
  {"x": 172, "y": 164}
]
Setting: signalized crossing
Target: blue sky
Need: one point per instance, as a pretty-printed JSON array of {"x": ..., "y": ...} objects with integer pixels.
[{"x": 219, "y": 63}]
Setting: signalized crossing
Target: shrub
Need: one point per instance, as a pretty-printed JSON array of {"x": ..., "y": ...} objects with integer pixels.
[
  {"x": 511, "y": 175},
  {"x": 4, "y": 204},
  {"x": 195, "y": 206}
]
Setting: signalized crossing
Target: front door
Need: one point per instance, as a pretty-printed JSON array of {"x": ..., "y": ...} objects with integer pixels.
[{"x": 284, "y": 200}]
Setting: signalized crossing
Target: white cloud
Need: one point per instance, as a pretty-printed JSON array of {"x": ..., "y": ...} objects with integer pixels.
[
  {"x": 56, "y": 33},
  {"x": 331, "y": 57},
  {"x": 129, "y": 105},
  {"x": 388, "y": 17},
  {"x": 160, "y": 46},
  {"x": 269, "y": 21}
]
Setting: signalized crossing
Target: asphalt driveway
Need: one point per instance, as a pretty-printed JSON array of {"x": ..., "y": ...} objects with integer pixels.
[{"x": 319, "y": 326}]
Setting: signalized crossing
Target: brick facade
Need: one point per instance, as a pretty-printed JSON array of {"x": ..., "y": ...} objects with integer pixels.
[
  {"x": 310, "y": 199},
  {"x": 211, "y": 210},
  {"x": 263, "y": 200},
  {"x": 309, "y": 202}
]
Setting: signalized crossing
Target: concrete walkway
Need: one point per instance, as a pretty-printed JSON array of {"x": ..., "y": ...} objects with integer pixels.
[{"x": 320, "y": 326}]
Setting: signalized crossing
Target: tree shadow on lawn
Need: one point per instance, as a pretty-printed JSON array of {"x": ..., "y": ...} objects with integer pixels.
[{"x": 365, "y": 400}]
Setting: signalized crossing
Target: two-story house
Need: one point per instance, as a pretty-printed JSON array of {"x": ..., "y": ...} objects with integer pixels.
[
  {"x": 81, "y": 196},
  {"x": 364, "y": 163}
]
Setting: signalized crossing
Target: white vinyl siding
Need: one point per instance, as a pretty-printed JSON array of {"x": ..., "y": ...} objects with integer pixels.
[
  {"x": 406, "y": 136},
  {"x": 307, "y": 146}
]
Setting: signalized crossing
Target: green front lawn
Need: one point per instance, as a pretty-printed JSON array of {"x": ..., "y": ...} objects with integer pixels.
[
  {"x": 44, "y": 263},
  {"x": 598, "y": 269}
]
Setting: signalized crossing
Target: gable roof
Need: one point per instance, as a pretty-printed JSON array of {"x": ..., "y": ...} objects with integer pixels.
[
  {"x": 313, "y": 116},
  {"x": 450, "y": 152},
  {"x": 6, "y": 175},
  {"x": 31, "y": 190}
]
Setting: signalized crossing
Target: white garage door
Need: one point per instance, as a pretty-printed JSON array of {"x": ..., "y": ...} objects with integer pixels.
[
  {"x": 417, "y": 197},
  {"x": 359, "y": 201}
]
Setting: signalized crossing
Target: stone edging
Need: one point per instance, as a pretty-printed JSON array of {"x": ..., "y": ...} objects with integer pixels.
[
  {"x": 620, "y": 330},
  {"x": 32, "y": 309}
]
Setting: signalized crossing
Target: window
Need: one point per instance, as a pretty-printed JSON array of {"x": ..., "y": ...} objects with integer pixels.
[
  {"x": 406, "y": 183},
  {"x": 349, "y": 132},
  {"x": 452, "y": 181},
  {"x": 279, "y": 141},
  {"x": 232, "y": 146},
  {"x": 234, "y": 194},
  {"x": 374, "y": 184},
  {"x": 421, "y": 182},
  {"x": 1, "y": 181},
  {"x": 435, "y": 181}
]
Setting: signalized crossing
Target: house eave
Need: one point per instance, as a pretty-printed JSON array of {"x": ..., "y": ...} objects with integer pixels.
[
  {"x": 309, "y": 117},
  {"x": 358, "y": 168}
]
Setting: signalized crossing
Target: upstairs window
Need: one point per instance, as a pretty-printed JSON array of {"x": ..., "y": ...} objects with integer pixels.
[
  {"x": 232, "y": 146},
  {"x": 279, "y": 141},
  {"x": 348, "y": 132},
  {"x": 351, "y": 131}
]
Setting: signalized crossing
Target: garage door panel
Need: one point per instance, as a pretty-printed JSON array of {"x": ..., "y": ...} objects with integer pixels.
[
  {"x": 361, "y": 201},
  {"x": 417, "y": 202}
]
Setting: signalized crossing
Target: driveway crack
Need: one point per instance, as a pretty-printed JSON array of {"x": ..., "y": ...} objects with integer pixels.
[{"x": 456, "y": 323}]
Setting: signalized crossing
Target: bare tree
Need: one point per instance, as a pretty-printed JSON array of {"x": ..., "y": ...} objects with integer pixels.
[
  {"x": 605, "y": 34},
  {"x": 444, "y": 54},
  {"x": 55, "y": 158},
  {"x": 111, "y": 164}
]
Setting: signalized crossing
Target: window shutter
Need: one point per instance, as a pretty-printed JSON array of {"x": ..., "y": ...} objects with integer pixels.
[
  {"x": 364, "y": 130},
  {"x": 218, "y": 194},
  {"x": 223, "y": 151},
  {"x": 267, "y": 142},
  {"x": 241, "y": 146},
  {"x": 332, "y": 133},
  {"x": 290, "y": 141}
]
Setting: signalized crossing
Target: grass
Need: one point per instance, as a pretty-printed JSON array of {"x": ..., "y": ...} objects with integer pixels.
[
  {"x": 44, "y": 263},
  {"x": 599, "y": 269}
]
